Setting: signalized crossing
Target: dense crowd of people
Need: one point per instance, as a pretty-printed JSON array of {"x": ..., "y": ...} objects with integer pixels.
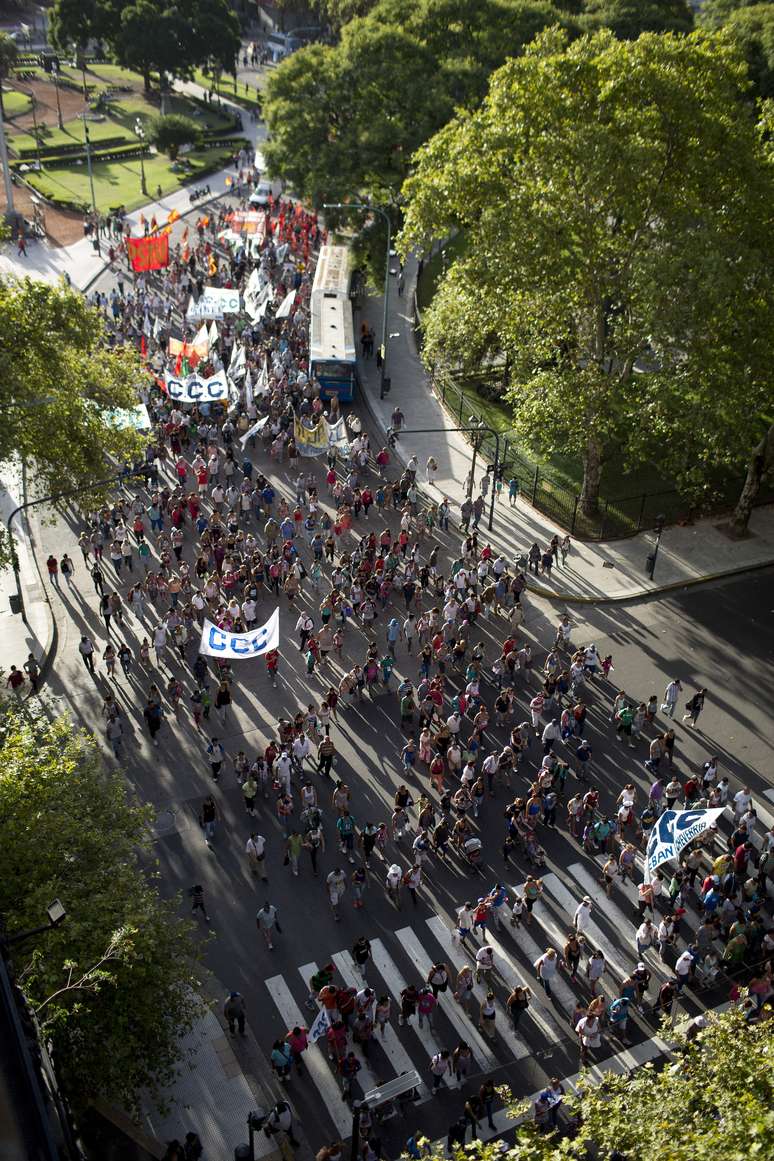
[{"x": 393, "y": 595}]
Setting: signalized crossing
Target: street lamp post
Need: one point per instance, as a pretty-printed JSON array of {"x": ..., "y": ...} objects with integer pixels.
[
  {"x": 55, "y": 74},
  {"x": 35, "y": 129},
  {"x": 652, "y": 557},
  {"x": 87, "y": 140},
  {"x": 476, "y": 428},
  {"x": 56, "y": 913},
  {"x": 365, "y": 207},
  {"x": 139, "y": 130}
]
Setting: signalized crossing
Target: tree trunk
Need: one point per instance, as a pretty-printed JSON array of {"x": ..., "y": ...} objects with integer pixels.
[
  {"x": 592, "y": 475},
  {"x": 760, "y": 463}
]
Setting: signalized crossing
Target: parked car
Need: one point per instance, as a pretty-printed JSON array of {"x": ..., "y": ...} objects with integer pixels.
[{"x": 261, "y": 194}]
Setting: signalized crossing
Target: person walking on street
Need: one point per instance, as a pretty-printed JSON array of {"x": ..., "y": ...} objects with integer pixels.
[
  {"x": 267, "y": 920},
  {"x": 671, "y": 694},
  {"x": 32, "y": 670},
  {"x": 336, "y": 885},
  {"x": 208, "y": 817},
  {"x": 197, "y": 901},
  {"x": 440, "y": 1066},
  {"x": 255, "y": 849},
  {"x": 694, "y": 707},
  {"x": 87, "y": 649},
  {"x": 52, "y": 565},
  {"x": 234, "y": 1011}
]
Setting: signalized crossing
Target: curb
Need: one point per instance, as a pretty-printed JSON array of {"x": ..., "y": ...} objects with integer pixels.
[{"x": 640, "y": 594}]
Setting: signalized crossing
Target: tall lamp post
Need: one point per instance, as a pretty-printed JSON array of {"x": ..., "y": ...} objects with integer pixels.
[
  {"x": 477, "y": 430},
  {"x": 87, "y": 141},
  {"x": 55, "y": 74},
  {"x": 366, "y": 208},
  {"x": 652, "y": 557},
  {"x": 139, "y": 130}
]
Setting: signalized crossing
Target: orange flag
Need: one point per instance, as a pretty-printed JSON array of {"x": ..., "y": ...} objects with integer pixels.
[
  {"x": 173, "y": 216},
  {"x": 184, "y": 237}
]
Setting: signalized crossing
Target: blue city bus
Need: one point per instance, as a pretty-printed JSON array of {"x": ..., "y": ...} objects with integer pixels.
[{"x": 332, "y": 351}]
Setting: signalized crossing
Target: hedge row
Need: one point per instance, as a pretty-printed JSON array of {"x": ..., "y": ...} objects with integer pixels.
[{"x": 77, "y": 149}]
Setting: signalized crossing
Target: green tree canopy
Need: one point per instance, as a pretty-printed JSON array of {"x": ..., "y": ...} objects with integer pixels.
[
  {"x": 113, "y": 984},
  {"x": 714, "y": 13},
  {"x": 59, "y": 384},
  {"x": 753, "y": 29},
  {"x": 617, "y": 202},
  {"x": 713, "y": 1099},
  {"x": 152, "y": 35},
  {"x": 629, "y": 18},
  {"x": 8, "y": 55},
  {"x": 169, "y": 133},
  {"x": 347, "y": 118}
]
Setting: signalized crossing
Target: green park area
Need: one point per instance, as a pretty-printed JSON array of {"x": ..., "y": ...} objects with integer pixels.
[
  {"x": 117, "y": 101},
  {"x": 15, "y": 103},
  {"x": 117, "y": 183}
]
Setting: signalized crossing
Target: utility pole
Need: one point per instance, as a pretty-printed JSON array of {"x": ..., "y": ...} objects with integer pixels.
[{"x": 91, "y": 184}]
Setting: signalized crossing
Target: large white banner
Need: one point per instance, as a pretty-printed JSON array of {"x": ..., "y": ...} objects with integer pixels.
[
  {"x": 214, "y": 302},
  {"x": 217, "y": 642},
  {"x": 197, "y": 389},
  {"x": 673, "y": 831}
]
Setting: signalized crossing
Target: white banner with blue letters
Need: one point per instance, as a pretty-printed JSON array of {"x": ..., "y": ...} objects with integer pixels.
[
  {"x": 236, "y": 646},
  {"x": 672, "y": 832}
]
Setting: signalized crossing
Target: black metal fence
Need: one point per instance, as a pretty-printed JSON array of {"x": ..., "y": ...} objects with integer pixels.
[{"x": 618, "y": 516}]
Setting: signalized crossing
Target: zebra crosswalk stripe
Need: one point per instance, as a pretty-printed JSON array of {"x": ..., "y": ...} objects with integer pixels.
[
  {"x": 607, "y": 907},
  {"x": 539, "y": 1011},
  {"x": 554, "y": 887},
  {"x": 463, "y": 1027},
  {"x": 365, "y": 1077},
  {"x": 458, "y": 957},
  {"x": 314, "y": 1062},
  {"x": 395, "y": 982},
  {"x": 389, "y": 1043}
]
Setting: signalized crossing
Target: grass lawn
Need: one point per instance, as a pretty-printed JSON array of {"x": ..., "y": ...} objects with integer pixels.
[
  {"x": 119, "y": 123},
  {"x": 124, "y": 111},
  {"x": 15, "y": 103},
  {"x": 118, "y": 182},
  {"x": 72, "y": 134}
]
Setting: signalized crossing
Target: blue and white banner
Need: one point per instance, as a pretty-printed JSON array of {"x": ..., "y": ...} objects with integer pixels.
[
  {"x": 673, "y": 831},
  {"x": 320, "y": 1025},
  {"x": 197, "y": 389},
  {"x": 217, "y": 642}
]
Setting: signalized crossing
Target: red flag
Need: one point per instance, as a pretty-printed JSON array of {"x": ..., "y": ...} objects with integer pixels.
[
  {"x": 143, "y": 346},
  {"x": 149, "y": 253}
]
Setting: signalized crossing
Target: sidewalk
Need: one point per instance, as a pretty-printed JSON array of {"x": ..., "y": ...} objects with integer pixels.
[
  {"x": 215, "y": 1090},
  {"x": 612, "y": 571}
]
